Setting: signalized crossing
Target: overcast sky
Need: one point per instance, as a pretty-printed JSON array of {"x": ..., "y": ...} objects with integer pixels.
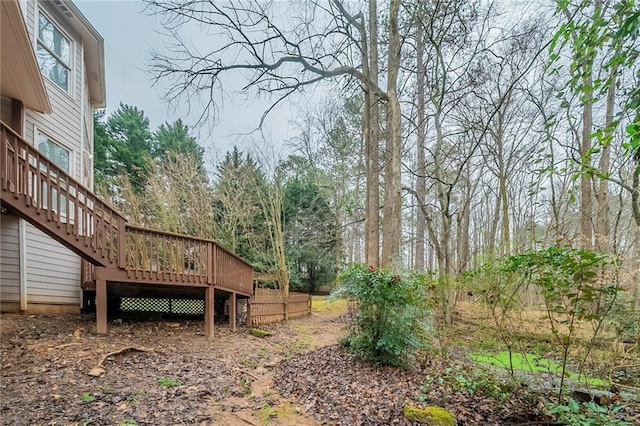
[{"x": 129, "y": 36}]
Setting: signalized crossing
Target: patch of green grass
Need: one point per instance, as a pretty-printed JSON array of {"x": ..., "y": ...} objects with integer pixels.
[
  {"x": 88, "y": 397},
  {"x": 321, "y": 304},
  {"x": 168, "y": 382},
  {"x": 246, "y": 386},
  {"x": 266, "y": 412},
  {"x": 285, "y": 411},
  {"x": 128, "y": 423},
  {"x": 533, "y": 364}
]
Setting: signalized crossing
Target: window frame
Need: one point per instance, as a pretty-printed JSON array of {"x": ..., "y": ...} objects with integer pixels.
[
  {"x": 62, "y": 212},
  {"x": 40, "y": 44},
  {"x": 39, "y": 133}
]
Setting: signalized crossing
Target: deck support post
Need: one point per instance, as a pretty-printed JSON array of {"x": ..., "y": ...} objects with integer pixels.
[
  {"x": 232, "y": 311},
  {"x": 101, "y": 306},
  {"x": 208, "y": 310},
  {"x": 249, "y": 312}
]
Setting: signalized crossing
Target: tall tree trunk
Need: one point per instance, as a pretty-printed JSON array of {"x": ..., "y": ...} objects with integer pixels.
[
  {"x": 372, "y": 141},
  {"x": 506, "y": 234},
  {"x": 602, "y": 217},
  {"x": 464, "y": 221},
  {"x": 391, "y": 225},
  {"x": 421, "y": 179},
  {"x": 586, "y": 201},
  {"x": 271, "y": 202},
  {"x": 586, "y": 230}
]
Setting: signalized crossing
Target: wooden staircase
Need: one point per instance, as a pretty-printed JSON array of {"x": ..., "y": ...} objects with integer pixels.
[
  {"x": 39, "y": 191},
  {"x": 36, "y": 189}
]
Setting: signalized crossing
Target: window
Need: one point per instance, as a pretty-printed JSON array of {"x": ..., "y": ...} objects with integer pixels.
[
  {"x": 54, "y": 152},
  {"x": 61, "y": 157},
  {"x": 54, "y": 53}
]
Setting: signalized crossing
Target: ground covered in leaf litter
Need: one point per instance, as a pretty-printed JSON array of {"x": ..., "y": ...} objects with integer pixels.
[
  {"x": 377, "y": 395},
  {"x": 170, "y": 373}
]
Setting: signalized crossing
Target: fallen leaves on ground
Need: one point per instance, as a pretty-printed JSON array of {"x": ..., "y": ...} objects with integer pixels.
[
  {"x": 339, "y": 389},
  {"x": 236, "y": 378}
]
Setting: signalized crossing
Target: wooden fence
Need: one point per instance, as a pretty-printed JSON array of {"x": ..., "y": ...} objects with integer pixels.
[{"x": 268, "y": 306}]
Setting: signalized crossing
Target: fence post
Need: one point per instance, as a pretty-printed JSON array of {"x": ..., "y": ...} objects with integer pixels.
[
  {"x": 209, "y": 297},
  {"x": 232, "y": 311},
  {"x": 249, "y": 312}
]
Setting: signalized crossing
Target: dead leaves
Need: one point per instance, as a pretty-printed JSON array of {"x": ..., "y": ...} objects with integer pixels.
[{"x": 339, "y": 389}]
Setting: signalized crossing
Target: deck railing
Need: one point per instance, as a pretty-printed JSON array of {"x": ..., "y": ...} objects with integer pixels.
[
  {"x": 168, "y": 257},
  {"x": 232, "y": 272},
  {"x": 53, "y": 201},
  {"x": 62, "y": 206},
  {"x": 164, "y": 256}
]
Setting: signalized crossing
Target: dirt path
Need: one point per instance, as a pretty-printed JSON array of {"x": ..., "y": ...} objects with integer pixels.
[
  {"x": 261, "y": 404},
  {"x": 182, "y": 377}
]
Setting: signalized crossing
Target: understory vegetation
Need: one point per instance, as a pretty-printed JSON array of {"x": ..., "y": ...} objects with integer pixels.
[
  {"x": 391, "y": 322},
  {"x": 564, "y": 348}
]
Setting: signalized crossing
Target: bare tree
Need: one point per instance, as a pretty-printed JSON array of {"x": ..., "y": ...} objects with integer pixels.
[{"x": 316, "y": 42}]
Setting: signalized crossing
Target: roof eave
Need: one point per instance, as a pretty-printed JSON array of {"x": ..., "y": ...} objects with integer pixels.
[{"x": 19, "y": 61}]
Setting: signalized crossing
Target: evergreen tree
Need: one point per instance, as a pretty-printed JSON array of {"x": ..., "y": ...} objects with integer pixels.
[
  {"x": 132, "y": 146},
  {"x": 310, "y": 228},
  {"x": 174, "y": 138},
  {"x": 238, "y": 215},
  {"x": 102, "y": 150}
]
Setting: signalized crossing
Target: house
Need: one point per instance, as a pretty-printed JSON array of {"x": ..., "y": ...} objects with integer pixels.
[
  {"x": 61, "y": 246},
  {"x": 52, "y": 78}
]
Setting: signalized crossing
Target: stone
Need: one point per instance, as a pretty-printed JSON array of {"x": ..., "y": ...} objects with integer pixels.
[
  {"x": 260, "y": 333},
  {"x": 431, "y": 416},
  {"x": 97, "y": 371}
]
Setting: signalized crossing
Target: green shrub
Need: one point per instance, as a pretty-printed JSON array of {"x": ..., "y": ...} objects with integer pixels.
[
  {"x": 586, "y": 414},
  {"x": 577, "y": 285},
  {"x": 392, "y": 320}
]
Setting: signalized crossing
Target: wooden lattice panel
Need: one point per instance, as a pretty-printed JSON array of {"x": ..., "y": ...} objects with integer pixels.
[{"x": 189, "y": 307}]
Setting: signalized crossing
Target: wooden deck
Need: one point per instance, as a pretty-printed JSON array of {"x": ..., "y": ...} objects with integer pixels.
[{"x": 113, "y": 251}]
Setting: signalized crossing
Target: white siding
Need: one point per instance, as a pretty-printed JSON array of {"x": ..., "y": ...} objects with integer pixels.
[
  {"x": 64, "y": 124},
  {"x": 9, "y": 259},
  {"x": 53, "y": 272},
  {"x": 87, "y": 161}
]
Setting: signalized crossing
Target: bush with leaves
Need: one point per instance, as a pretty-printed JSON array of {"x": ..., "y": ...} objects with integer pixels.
[
  {"x": 577, "y": 286},
  {"x": 392, "y": 320},
  {"x": 586, "y": 414}
]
